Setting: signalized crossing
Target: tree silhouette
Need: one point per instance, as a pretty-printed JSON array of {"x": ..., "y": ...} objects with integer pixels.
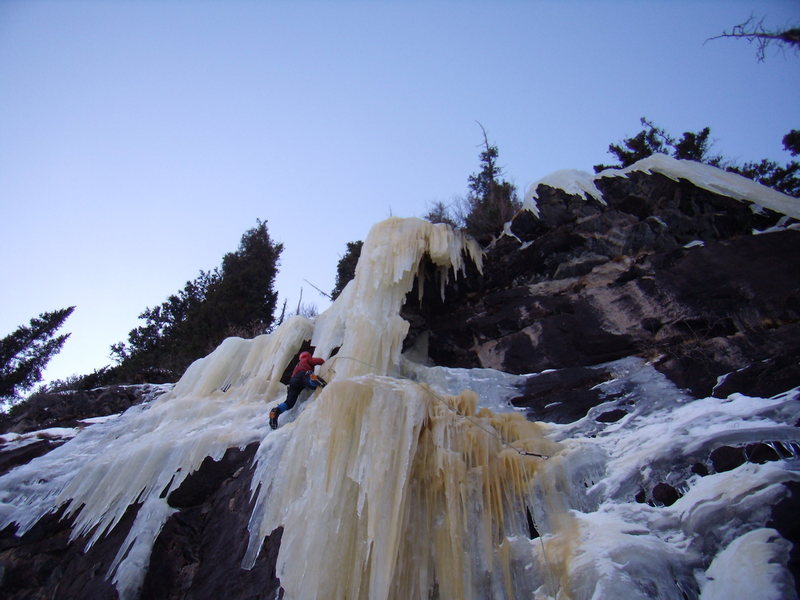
[
  {"x": 754, "y": 32},
  {"x": 491, "y": 201},
  {"x": 236, "y": 299},
  {"x": 346, "y": 268},
  {"x": 25, "y": 353},
  {"x": 696, "y": 146}
]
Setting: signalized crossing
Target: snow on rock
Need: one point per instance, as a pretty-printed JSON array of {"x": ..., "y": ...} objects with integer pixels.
[
  {"x": 572, "y": 181},
  {"x": 622, "y": 548},
  {"x": 750, "y": 567},
  {"x": 615, "y": 558},
  {"x": 17, "y": 440},
  {"x": 701, "y": 175},
  {"x": 714, "y": 180}
]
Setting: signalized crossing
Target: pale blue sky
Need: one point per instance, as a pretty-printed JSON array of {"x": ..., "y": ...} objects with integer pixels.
[{"x": 139, "y": 140}]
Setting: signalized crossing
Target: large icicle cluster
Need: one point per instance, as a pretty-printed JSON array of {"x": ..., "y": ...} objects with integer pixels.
[
  {"x": 364, "y": 322},
  {"x": 389, "y": 490},
  {"x": 137, "y": 458},
  {"x": 149, "y": 450}
]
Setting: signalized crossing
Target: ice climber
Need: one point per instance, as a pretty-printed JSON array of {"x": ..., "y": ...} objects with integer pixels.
[{"x": 302, "y": 377}]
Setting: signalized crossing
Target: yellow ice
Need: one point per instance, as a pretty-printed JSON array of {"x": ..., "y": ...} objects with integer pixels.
[{"x": 388, "y": 490}]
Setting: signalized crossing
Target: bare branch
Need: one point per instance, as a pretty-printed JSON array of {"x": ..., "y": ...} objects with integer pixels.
[
  {"x": 319, "y": 290},
  {"x": 754, "y": 32},
  {"x": 485, "y": 138}
]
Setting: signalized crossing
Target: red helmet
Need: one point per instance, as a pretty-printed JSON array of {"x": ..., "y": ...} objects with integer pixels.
[{"x": 305, "y": 355}]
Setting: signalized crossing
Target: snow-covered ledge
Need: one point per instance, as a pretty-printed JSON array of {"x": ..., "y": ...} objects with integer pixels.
[{"x": 704, "y": 176}]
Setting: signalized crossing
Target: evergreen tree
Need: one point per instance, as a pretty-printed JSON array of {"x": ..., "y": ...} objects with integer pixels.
[
  {"x": 654, "y": 140},
  {"x": 236, "y": 298},
  {"x": 440, "y": 213},
  {"x": 630, "y": 150},
  {"x": 791, "y": 142},
  {"x": 696, "y": 146},
  {"x": 25, "y": 353},
  {"x": 491, "y": 201},
  {"x": 244, "y": 294},
  {"x": 346, "y": 269}
]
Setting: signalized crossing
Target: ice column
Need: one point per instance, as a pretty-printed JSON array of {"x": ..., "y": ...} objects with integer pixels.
[
  {"x": 386, "y": 490},
  {"x": 365, "y": 320}
]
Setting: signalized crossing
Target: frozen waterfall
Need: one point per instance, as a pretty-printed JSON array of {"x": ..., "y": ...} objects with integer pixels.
[{"x": 399, "y": 480}]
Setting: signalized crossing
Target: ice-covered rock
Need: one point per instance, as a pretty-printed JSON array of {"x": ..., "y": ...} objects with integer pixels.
[{"x": 416, "y": 474}]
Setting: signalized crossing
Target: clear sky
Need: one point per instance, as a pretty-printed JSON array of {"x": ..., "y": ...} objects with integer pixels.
[{"x": 140, "y": 139}]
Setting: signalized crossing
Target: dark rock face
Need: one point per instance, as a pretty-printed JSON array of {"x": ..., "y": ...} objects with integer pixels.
[
  {"x": 20, "y": 456},
  {"x": 784, "y": 519},
  {"x": 44, "y": 564},
  {"x": 612, "y": 416},
  {"x": 562, "y": 396},
  {"x": 199, "y": 552},
  {"x": 726, "y": 458},
  {"x": 764, "y": 378},
  {"x": 665, "y": 494},
  {"x": 591, "y": 283}
]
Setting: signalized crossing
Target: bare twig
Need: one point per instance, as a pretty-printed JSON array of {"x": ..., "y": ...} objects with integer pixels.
[
  {"x": 754, "y": 32},
  {"x": 319, "y": 290}
]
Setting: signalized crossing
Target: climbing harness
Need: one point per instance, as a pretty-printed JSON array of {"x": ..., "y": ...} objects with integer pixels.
[{"x": 318, "y": 380}]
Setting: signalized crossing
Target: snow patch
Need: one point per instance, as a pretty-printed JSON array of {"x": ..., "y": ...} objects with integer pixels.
[
  {"x": 704, "y": 176},
  {"x": 714, "y": 180},
  {"x": 574, "y": 182},
  {"x": 752, "y": 566},
  {"x": 13, "y": 441}
]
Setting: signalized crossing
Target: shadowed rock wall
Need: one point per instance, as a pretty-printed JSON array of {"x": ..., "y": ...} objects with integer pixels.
[{"x": 587, "y": 283}]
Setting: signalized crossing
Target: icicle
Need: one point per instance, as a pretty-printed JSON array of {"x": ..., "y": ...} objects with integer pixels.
[
  {"x": 795, "y": 449},
  {"x": 781, "y": 449}
]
